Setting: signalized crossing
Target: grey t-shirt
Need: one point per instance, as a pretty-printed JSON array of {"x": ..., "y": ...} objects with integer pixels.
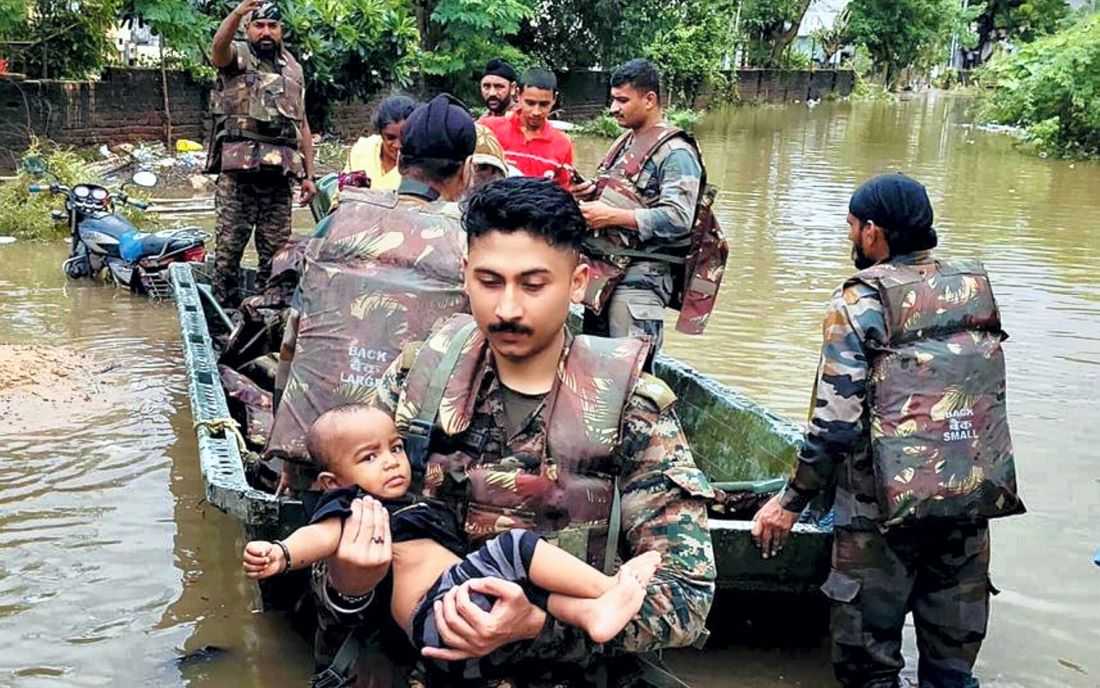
[{"x": 517, "y": 408}]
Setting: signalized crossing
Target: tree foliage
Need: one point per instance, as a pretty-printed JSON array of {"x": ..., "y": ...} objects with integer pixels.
[
  {"x": 61, "y": 38},
  {"x": 909, "y": 33},
  {"x": 457, "y": 37},
  {"x": 769, "y": 27},
  {"x": 13, "y": 16},
  {"x": 351, "y": 48},
  {"x": 1052, "y": 88},
  {"x": 185, "y": 26},
  {"x": 690, "y": 51}
]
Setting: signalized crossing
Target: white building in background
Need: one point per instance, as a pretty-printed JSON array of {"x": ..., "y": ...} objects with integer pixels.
[{"x": 137, "y": 45}]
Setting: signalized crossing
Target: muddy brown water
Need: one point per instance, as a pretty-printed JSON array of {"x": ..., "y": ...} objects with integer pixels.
[{"x": 111, "y": 564}]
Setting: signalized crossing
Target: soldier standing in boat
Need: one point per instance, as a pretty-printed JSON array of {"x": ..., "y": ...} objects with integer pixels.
[
  {"x": 388, "y": 269},
  {"x": 908, "y": 426},
  {"x": 643, "y": 211},
  {"x": 260, "y": 143},
  {"x": 517, "y": 423}
]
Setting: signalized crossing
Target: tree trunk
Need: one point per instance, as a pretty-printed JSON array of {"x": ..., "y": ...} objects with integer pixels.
[
  {"x": 780, "y": 39},
  {"x": 167, "y": 110}
]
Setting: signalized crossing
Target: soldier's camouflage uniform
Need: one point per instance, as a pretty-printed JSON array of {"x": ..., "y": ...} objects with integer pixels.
[
  {"x": 939, "y": 572},
  {"x": 669, "y": 184},
  {"x": 255, "y": 171},
  {"x": 664, "y": 497}
]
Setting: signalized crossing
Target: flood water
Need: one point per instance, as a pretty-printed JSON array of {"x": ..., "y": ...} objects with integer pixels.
[{"x": 111, "y": 564}]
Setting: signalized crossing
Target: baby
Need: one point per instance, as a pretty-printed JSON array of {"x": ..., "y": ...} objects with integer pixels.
[{"x": 361, "y": 453}]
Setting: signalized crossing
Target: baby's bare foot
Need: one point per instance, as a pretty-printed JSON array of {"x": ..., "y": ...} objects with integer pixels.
[
  {"x": 642, "y": 567},
  {"x": 609, "y": 613}
]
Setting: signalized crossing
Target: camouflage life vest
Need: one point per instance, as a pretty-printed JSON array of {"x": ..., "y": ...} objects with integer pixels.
[
  {"x": 698, "y": 262},
  {"x": 387, "y": 273},
  {"x": 257, "y": 116},
  {"x": 563, "y": 484},
  {"x": 939, "y": 425}
]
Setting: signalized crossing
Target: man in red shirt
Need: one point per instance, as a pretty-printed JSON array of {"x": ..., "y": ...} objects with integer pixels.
[{"x": 531, "y": 144}]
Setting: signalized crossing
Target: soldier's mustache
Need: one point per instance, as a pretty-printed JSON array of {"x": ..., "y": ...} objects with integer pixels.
[{"x": 509, "y": 327}]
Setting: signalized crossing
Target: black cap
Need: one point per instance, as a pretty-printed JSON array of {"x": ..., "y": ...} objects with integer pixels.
[
  {"x": 267, "y": 10},
  {"x": 498, "y": 67},
  {"x": 440, "y": 128},
  {"x": 893, "y": 201}
]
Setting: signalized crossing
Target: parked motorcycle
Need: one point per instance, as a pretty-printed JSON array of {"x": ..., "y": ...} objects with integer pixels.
[{"x": 106, "y": 246}]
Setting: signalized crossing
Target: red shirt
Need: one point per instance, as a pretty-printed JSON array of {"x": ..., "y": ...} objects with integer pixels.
[{"x": 548, "y": 154}]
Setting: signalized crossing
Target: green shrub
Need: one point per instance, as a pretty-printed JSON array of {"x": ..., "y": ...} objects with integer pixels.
[
  {"x": 685, "y": 119},
  {"x": 604, "y": 126},
  {"x": 1051, "y": 88}
]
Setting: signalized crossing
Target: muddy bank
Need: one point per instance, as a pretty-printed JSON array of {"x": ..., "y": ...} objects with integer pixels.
[{"x": 38, "y": 383}]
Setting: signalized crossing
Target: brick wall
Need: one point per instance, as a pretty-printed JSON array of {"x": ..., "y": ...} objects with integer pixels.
[
  {"x": 583, "y": 95},
  {"x": 127, "y": 104},
  {"x": 123, "y": 105}
]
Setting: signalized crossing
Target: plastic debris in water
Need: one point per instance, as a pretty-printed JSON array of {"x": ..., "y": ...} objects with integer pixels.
[{"x": 1096, "y": 558}]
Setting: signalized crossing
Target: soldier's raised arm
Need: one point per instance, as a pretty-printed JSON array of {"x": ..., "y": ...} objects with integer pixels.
[{"x": 222, "y": 52}]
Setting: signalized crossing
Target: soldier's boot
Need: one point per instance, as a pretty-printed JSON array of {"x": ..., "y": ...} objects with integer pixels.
[
  {"x": 231, "y": 232},
  {"x": 951, "y": 609},
  {"x": 272, "y": 225}
]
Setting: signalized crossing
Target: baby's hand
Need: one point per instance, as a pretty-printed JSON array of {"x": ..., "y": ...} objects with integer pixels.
[{"x": 262, "y": 559}]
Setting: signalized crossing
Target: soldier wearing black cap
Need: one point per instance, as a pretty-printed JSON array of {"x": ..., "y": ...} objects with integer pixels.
[
  {"x": 498, "y": 87},
  {"x": 908, "y": 434},
  {"x": 408, "y": 249},
  {"x": 260, "y": 143}
]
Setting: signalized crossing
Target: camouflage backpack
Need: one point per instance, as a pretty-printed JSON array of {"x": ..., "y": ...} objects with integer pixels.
[
  {"x": 939, "y": 424},
  {"x": 385, "y": 274},
  {"x": 698, "y": 262}
]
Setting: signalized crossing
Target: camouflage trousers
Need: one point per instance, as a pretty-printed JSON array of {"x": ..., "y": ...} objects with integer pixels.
[
  {"x": 247, "y": 202},
  {"x": 939, "y": 573},
  {"x": 631, "y": 312}
]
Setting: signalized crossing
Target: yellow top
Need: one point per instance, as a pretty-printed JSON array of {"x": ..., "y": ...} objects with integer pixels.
[{"x": 366, "y": 156}]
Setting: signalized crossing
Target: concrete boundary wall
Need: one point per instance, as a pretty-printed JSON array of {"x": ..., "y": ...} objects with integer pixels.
[{"x": 127, "y": 104}]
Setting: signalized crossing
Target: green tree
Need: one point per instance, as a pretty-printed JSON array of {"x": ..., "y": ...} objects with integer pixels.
[
  {"x": 769, "y": 26},
  {"x": 832, "y": 39},
  {"x": 185, "y": 27},
  {"x": 577, "y": 34},
  {"x": 690, "y": 51},
  {"x": 13, "y": 16},
  {"x": 1052, "y": 88},
  {"x": 908, "y": 33},
  {"x": 458, "y": 36},
  {"x": 1015, "y": 21},
  {"x": 66, "y": 39},
  {"x": 351, "y": 48}
]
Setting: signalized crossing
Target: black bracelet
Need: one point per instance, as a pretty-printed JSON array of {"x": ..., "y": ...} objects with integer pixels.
[{"x": 286, "y": 555}]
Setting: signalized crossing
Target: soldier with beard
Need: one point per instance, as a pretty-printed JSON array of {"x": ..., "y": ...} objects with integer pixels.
[
  {"x": 908, "y": 432},
  {"x": 498, "y": 87},
  {"x": 260, "y": 143}
]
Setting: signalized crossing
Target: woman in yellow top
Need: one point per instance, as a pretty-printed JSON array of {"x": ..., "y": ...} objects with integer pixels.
[{"x": 376, "y": 155}]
